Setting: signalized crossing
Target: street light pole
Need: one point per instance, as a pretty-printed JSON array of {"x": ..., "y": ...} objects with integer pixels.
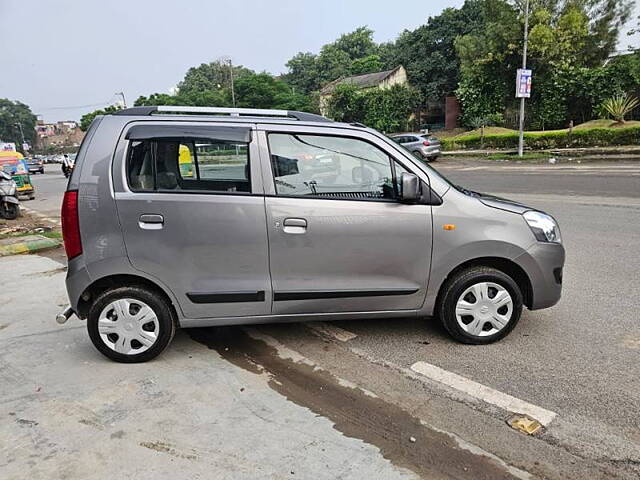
[
  {"x": 233, "y": 90},
  {"x": 19, "y": 125},
  {"x": 124, "y": 101},
  {"x": 524, "y": 67}
]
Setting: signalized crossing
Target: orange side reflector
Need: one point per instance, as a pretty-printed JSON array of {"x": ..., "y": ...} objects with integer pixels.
[{"x": 449, "y": 226}]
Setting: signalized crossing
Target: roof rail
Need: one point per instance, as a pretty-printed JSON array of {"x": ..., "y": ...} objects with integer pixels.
[{"x": 234, "y": 112}]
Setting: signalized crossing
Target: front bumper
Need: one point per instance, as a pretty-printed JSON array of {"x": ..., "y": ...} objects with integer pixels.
[{"x": 544, "y": 263}]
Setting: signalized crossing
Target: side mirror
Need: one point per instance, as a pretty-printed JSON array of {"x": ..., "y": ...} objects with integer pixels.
[{"x": 409, "y": 187}]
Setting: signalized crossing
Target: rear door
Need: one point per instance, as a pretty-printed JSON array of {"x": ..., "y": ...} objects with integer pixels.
[
  {"x": 340, "y": 240},
  {"x": 192, "y": 214}
]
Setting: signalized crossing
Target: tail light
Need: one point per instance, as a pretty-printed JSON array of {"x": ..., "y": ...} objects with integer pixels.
[
  {"x": 71, "y": 224},
  {"x": 426, "y": 143}
]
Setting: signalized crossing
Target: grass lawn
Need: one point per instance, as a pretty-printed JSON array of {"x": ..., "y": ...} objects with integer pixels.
[{"x": 603, "y": 123}]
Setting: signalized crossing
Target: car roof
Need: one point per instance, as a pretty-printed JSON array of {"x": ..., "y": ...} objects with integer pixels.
[{"x": 235, "y": 115}]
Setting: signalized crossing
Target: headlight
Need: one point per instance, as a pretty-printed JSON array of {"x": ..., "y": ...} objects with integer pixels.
[{"x": 544, "y": 227}]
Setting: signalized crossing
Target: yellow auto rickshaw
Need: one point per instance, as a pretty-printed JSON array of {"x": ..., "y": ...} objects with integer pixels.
[
  {"x": 185, "y": 161},
  {"x": 15, "y": 165}
]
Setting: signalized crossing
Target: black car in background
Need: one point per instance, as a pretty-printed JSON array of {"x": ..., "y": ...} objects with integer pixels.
[{"x": 35, "y": 165}]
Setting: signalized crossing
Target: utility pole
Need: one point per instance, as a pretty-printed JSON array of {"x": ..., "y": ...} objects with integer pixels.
[
  {"x": 124, "y": 100},
  {"x": 524, "y": 67},
  {"x": 224, "y": 60},
  {"x": 233, "y": 90},
  {"x": 19, "y": 125}
]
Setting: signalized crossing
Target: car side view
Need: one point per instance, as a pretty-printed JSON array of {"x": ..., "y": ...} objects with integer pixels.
[
  {"x": 425, "y": 147},
  {"x": 195, "y": 216}
]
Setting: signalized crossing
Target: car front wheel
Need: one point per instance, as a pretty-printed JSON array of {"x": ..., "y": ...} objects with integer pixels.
[
  {"x": 130, "y": 324},
  {"x": 480, "y": 305}
]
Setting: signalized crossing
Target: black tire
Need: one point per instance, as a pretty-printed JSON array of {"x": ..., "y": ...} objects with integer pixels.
[
  {"x": 10, "y": 211},
  {"x": 456, "y": 286},
  {"x": 160, "y": 306}
]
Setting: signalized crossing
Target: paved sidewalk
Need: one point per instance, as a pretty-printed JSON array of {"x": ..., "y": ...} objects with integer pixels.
[{"x": 67, "y": 412}]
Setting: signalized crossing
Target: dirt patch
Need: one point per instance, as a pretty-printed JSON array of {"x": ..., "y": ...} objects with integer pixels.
[
  {"x": 26, "y": 224},
  {"x": 401, "y": 438},
  {"x": 168, "y": 449}
]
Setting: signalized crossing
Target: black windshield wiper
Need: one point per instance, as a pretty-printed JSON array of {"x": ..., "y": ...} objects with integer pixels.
[{"x": 466, "y": 192}]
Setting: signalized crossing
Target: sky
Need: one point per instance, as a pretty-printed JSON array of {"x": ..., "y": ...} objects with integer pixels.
[{"x": 68, "y": 57}]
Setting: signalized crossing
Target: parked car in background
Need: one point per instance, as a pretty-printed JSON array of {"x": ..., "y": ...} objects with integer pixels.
[
  {"x": 236, "y": 216},
  {"x": 35, "y": 165},
  {"x": 424, "y": 146}
]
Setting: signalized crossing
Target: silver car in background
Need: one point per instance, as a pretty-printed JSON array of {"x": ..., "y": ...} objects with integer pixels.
[
  {"x": 196, "y": 216},
  {"x": 424, "y": 146}
]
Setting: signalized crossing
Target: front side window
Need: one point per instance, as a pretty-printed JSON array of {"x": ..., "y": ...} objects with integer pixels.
[
  {"x": 330, "y": 167},
  {"x": 188, "y": 165}
]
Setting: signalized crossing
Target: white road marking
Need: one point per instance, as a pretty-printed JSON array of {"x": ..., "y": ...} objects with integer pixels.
[
  {"x": 328, "y": 330},
  {"x": 484, "y": 393}
]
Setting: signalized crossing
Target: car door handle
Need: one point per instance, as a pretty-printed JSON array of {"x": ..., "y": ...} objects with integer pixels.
[
  {"x": 151, "y": 221},
  {"x": 294, "y": 226}
]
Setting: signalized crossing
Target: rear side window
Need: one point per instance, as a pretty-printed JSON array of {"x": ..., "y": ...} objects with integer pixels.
[{"x": 183, "y": 165}]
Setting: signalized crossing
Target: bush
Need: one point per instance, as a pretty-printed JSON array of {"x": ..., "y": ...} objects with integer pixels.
[{"x": 595, "y": 137}]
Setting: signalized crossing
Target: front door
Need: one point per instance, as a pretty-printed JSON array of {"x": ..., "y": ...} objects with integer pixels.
[
  {"x": 193, "y": 216},
  {"x": 340, "y": 240}
]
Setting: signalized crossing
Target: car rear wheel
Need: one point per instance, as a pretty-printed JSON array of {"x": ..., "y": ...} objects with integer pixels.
[
  {"x": 480, "y": 305},
  {"x": 131, "y": 324}
]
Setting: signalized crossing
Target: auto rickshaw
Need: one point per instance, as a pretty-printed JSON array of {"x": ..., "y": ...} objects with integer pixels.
[
  {"x": 185, "y": 161},
  {"x": 14, "y": 164}
]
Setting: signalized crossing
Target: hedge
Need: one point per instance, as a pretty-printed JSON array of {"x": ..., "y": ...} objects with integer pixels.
[{"x": 594, "y": 137}]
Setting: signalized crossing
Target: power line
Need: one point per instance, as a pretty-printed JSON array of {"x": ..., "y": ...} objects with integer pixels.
[{"x": 108, "y": 102}]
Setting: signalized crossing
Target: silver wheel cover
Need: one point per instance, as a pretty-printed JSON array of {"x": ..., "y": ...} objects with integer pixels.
[
  {"x": 128, "y": 326},
  {"x": 484, "y": 309}
]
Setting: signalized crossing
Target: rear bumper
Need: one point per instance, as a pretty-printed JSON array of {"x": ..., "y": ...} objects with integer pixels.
[
  {"x": 77, "y": 281},
  {"x": 430, "y": 151},
  {"x": 544, "y": 263}
]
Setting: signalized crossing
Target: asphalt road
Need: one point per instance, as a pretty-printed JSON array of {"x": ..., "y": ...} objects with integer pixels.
[
  {"x": 49, "y": 191},
  {"x": 599, "y": 179},
  {"x": 578, "y": 359}
]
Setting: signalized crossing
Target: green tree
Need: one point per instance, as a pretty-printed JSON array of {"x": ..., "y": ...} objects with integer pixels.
[
  {"x": 210, "y": 77},
  {"x": 387, "y": 110},
  {"x": 303, "y": 73},
  {"x": 14, "y": 115},
  {"x": 346, "y": 104},
  {"x": 368, "y": 64},
  {"x": 351, "y": 54},
  {"x": 261, "y": 90},
  {"x": 357, "y": 44},
  {"x": 566, "y": 37},
  {"x": 85, "y": 120},
  {"x": 428, "y": 53}
]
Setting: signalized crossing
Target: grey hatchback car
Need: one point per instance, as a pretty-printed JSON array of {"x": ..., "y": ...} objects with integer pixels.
[
  {"x": 425, "y": 147},
  {"x": 193, "y": 216}
]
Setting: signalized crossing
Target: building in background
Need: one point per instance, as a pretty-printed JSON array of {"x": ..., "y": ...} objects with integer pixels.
[
  {"x": 58, "y": 136},
  {"x": 386, "y": 79}
]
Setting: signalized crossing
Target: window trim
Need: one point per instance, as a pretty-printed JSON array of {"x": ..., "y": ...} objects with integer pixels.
[
  {"x": 392, "y": 160},
  {"x": 155, "y": 189}
]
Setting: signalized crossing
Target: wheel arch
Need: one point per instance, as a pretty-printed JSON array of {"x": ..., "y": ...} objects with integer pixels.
[
  {"x": 119, "y": 280},
  {"x": 506, "y": 266}
]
